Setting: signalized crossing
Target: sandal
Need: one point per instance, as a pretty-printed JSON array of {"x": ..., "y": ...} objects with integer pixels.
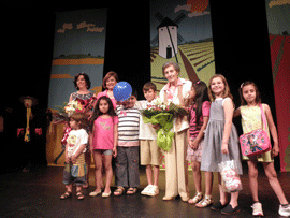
[
  {"x": 131, "y": 191},
  {"x": 65, "y": 195},
  {"x": 80, "y": 195},
  {"x": 204, "y": 202},
  {"x": 119, "y": 190},
  {"x": 197, "y": 198}
]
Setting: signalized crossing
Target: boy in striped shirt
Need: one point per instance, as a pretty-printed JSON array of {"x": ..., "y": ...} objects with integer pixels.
[{"x": 127, "y": 160}]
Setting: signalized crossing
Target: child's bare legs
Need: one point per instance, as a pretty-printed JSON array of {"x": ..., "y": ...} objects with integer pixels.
[
  {"x": 196, "y": 173},
  {"x": 69, "y": 188},
  {"x": 208, "y": 182},
  {"x": 253, "y": 180},
  {"x": 98, "y": 163},
  {"x": 156, "y": 174},
  {"x": 88, "y": 162},
  {"x": 234, "y": 199},
  {"x": 109, "y": 172},
  {"x": 274, "y": 182},
  {"x": 223, "y": 195},
  {"x": 149, "y": 174}
]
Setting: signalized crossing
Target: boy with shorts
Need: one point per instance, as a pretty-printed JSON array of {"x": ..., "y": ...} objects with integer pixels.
[{"x": 150, "y": 152}]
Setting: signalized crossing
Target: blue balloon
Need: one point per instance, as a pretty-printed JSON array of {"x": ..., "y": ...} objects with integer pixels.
[{"x": 122, "y": 91}]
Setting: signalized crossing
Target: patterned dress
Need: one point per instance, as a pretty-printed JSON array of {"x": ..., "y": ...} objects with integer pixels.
[{"x": 252, "y": 120}]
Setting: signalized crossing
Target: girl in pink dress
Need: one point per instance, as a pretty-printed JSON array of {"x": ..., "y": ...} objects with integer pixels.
[
  {"x": 103, "y": 141},
  {"x": 198, "y": 117}
]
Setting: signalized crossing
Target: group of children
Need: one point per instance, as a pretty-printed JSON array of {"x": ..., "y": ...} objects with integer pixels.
[{"x": 121, "y": 133}]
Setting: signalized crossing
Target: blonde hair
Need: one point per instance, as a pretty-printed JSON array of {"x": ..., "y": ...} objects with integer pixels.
[{"x": 226, "y": 92}]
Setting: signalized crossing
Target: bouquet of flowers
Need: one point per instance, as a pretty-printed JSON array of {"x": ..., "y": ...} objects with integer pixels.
[
  {"x": 157, "y": 112},
  {"x": 77, "y": 105}
]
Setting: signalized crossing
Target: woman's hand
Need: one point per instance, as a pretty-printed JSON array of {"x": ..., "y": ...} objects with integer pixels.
[{"x": 156, "y": 126}]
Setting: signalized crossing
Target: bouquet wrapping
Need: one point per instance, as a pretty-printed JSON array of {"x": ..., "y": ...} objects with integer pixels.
[{"x": 158, "y": 112}]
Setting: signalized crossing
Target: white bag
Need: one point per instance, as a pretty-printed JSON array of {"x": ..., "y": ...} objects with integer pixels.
[{"x": 230, "y": 180}]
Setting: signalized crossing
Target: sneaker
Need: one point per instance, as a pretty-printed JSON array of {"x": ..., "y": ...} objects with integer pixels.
[
  {"x": 146, "y": 190},
  {"x": 154, "y": 190},
  {"x": 284, "y": 210},
  {"x": 257, "y": 209}
]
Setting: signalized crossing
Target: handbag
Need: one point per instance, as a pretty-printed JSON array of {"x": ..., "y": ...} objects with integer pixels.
[
  {"x": 257, "y": 141},
  {"x": 230, "y": 180}
]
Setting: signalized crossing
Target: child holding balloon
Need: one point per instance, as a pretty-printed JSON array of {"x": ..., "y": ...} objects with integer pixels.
[{"x": 127, "y": 161}]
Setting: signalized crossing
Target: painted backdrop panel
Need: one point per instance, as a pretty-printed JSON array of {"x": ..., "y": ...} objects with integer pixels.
[
  {"x": 278, "y": 18},
  {"x": 181, "y": 31},
  {"x": 78, "y": 47}
]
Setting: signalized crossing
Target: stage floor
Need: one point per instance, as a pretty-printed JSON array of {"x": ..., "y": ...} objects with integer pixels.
[{"x": 36, "y": 194}]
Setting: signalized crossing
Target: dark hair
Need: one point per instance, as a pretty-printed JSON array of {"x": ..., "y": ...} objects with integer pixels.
[
  {"x": 148, "y": 86},
  {"x": 81, "y": 119},
  {"x": 168, "y": 64},
  {"x": 134, "y": 93},
  {"x": 200, "y": 96},
  {"x": 87, "y": 79},
  {"x": 97, "y": 112},
  {"x": 258, "y": 95},
  {"x": 107, "y": 76}
]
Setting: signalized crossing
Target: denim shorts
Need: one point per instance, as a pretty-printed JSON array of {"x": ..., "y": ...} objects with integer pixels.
[{"x": 105, "y": 152}]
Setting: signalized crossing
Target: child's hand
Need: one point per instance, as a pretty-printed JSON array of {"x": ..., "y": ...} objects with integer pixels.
[
  {"x": 73, "y": 159},
  {"x": 225, "y": 148},
  {"x": 194, "y": 144},
  {"x": 115, "y": 152},
  {"x": 275, "y": 150},
  {"x": 67, "y": 159}
]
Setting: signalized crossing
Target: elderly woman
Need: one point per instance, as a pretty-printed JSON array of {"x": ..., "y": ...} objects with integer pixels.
[
  {"x": 109, "y": 82},
  {"x": 176, "y": 91}
]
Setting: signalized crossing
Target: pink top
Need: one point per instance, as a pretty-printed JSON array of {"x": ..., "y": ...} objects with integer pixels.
[
  {"x": 103, "y": 137},
  {"x": 194, "y": 128},
  {"x": 104, "y": 93}
]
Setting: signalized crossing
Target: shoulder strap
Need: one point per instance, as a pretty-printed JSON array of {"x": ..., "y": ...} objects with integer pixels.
[{"x": 263, "y": 117}]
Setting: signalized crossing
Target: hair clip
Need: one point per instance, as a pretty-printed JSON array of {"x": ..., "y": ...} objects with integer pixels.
[
  {"x": 198, "y": 82},
  {"x": 242, "y": 85}
]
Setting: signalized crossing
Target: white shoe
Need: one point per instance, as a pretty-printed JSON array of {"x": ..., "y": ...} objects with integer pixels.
[
  {"x": 146, "y": 190},
  {"x": 154, "y": 190},
  {"x": 284, "y": 210},
  {"x": 257, "y": 209}
]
